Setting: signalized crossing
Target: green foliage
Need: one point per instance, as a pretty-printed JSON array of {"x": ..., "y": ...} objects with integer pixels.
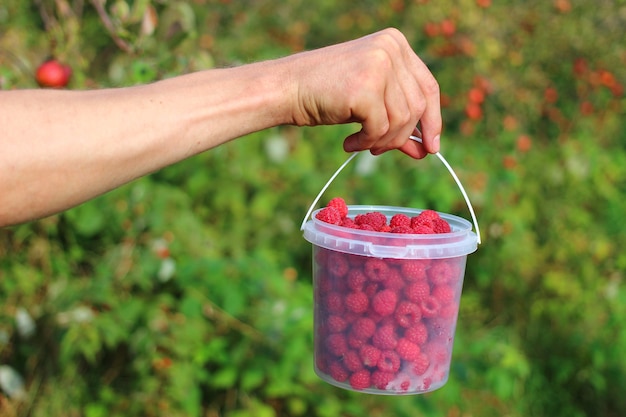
[{"x": 188, "y": 292}]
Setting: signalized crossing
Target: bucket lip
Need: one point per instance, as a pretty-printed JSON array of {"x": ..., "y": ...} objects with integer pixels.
[
  {"x": 460, "y": 241},
  {"x": 459, "y": 225}
]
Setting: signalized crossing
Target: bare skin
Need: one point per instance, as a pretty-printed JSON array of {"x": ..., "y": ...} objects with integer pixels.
[{"x": 61, "y": 148}]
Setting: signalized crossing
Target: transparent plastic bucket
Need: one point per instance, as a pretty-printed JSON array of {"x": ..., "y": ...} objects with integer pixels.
[{"x": 406, "y": 347}]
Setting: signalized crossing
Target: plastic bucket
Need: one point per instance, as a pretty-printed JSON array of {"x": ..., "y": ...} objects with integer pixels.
[{"x": 405, "y": 346}]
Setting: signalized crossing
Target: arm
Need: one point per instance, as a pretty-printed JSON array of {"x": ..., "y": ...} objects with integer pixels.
[{"x": 61, "y": 148}]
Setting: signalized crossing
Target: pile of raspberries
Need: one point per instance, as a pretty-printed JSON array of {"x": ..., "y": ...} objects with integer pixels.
[{"x": 385, "y": 324}]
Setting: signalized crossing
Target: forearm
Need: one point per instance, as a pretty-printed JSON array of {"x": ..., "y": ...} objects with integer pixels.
[{"x": 60, "y": 148}]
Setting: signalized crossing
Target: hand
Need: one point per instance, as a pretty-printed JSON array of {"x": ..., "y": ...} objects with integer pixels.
[{"x": 377, "y": 81}]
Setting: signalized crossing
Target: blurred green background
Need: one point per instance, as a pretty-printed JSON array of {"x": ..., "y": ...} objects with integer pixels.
[{"x": 188, "y": 292}]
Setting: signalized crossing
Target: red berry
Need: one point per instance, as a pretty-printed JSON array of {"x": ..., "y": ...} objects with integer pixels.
[
  {"x": 349, "y": 223},
  {"x": 430, "y": 307},
  {"x": 337, "y": 344},
  {"x": 421, "y": 364},
  {"x": 398, "y": 220},
  {"x": 338, "y": 372},
  {"x": 404, "y": 230},
  {"x": 381, "y": 379},
  {"x": 389, "y": 361},
  {"x": 338, "y": 264},
  {"x": 425, "y": 218},
  {"x": 357, "y": 302},
  {"x": 53, "y": 73},
  {"x": 356, "y": 279},
  {"x": 360, "y": 379},
  {"x": 443, "y": 293},
  {"x": 442, "y": 272},
  {"x": 329, "y": 215},
  {"x": 441, "y": 226},
  {"x": 407, "y": 350},
  {"x": 374, "y": 219},
  {"x": 352, "y": 361},
  {"x": 417, "y": 291},
  {"x": 334, "y": 302},
  {"x": 422, "y": 229},
  {"x": 340, "y": 204},
  {"x": 336, "y": 324},
  {"x": 363, "y": 328},
  {"x": 414, "y": 269},
  {"x": 369, "y": 355},
  {"x": 407, "y": 314},
  {"x": 384, "y": 302},
  {"x": 376, "y": 269},
  {"x": 417, "y": 333},
  {"x": 385, "y": 337}
]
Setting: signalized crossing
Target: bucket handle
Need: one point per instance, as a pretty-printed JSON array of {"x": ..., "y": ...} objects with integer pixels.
[{"x": 443, "y": 160}]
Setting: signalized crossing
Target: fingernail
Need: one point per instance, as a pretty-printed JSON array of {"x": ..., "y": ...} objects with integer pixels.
[{"x": 436, "y": 143}]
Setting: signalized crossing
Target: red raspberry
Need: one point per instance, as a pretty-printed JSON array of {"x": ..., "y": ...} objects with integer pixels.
[
  {"x": 406, "y": 230},
  {"x": 442, "y": 272},
  {"x": 369, "y": 355},
  {"x": 336, "y": 324},
  {"x": 337, "y": 344},
  {"x": 376, "y": 269},
  {"x": 371, "y": 288},
  {"x": 381, "y": 379},
  {"x": 352, "y": 361},
  {"x": 338, "y": 264},
  {"x": 421, "y": 364},
  {"x": 360, "y": 379},
  {"x": 338, "y": 372},
  {"x": 443, "y": 293},
  {"x": 355, "y": 343},
  {"x": 422, "y": 229},
  {"x": 407, "y": 350},
  {"x": 349, "y": 223},
  {"x": 407, "y": 314},
  {"x": 425, "y": 218},
  {"x": 357, "y": 302},
  {"x": 385, "y": 337},
  {"x": 389, "y": 361},
  {"x": 400, "y": 219},
  {"x": 363, "y": 328},
  {"x": 384, "y": 302},
  {"x": 333, "y": 302},
  {"x": 449, "y": 312},
  {"x": 356, "y": 279},
  {"x": 414, "y": 269},
  {"x": 430, "y": 307},
  {"x": 374, "y": 219},
  {"x": 329, "y": 215},
  {"x": 441, "y": 226},
  {"x": 366, "y": 227},
  {"x": 417, "y": 291},
  {"x": 339, "y": 204},
  {"x": 394, "y": 280},
  {"x": 417, "y": 333},
  {"x": 438, "y": 353}
]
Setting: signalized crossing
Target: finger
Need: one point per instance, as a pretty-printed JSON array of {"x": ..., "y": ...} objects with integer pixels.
[{"x": 430, "y": 119}]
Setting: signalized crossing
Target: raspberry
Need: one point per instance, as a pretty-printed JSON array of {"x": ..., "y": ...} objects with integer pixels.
[
  {"x": 337, "y": 344},
  {"x": 355, "y": 343},
  {"x": 414, "y": 269},
  {"x": 360, "y": 379},
  {"x": 381, "y": 379},
  {"x": 407, "y": 314},
  {"x": 417, "y": 291},
  {"x": 421, "y": 364},
  {"x": 374, "y": 219},
  {"x": 338, "y": 264},
  {"x": 417, "y": 333},
  {"x": 338, "y": 372},
  {"x": 352, "y": 361},
  {"x": 376, "y": 269},
  {"x": 422, "y": 229},
  {"x": 407, "y": 350},
  {"x": 356, "y": 279},
  {"x": 349, "y": 223},
  {"x": 407, "y": 230},
  {"x": 366, "y": 227},
  {"x": 333, "y": 302},
  {"x": 369, "y": 355},
  {"x": 363, "y": 328},
  {"x": 430, "y": 307},
  {"x": 400, "y": 219},
  {"x": 443, "y": 293},
  {"x": 441, "y": 272},
  {"x": 357, "y": 302},
  {"x": 438, "y": 353},
  {"x": 336, "y": 324},
  {"x": 394, "y": 280},
  {"x": 385, "y": 337},
  {"x": 389, "y": 361},
  {"x": 441, "y": 226},
  {"x": 384, "y": 302},
  {"x": 329, "y": 215},
  {"x": 339, "y": 204},
  {"x": 425, "y": 218}
]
